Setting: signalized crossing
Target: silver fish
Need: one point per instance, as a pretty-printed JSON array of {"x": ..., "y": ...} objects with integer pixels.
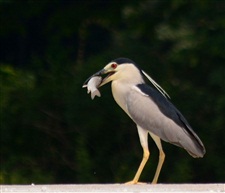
[{"x": 92, "y": 85}]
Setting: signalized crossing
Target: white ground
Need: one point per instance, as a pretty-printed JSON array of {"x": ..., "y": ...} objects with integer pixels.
[{"x": 210, "y": 188}]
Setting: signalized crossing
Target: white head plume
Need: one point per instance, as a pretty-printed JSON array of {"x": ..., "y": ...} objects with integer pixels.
[{"x": 159, "y": 88}]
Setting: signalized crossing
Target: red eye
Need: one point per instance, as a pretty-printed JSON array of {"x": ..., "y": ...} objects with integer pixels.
[{"x": 114, "y": 65}]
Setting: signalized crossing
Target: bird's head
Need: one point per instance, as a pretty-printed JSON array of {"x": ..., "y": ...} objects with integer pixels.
[
  {"x": 119, "y": 69},
  {"x": 125, "y": 71}
]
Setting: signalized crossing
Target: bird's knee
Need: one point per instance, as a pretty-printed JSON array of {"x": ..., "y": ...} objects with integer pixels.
[
  {"x": 146, "y": 154},
  {"x": 162, "y": 155}
]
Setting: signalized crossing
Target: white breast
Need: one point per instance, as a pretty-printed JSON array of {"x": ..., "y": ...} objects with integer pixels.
[{"x": 120, "y": 92}]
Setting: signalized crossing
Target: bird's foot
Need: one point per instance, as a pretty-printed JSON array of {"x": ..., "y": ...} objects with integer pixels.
[
  {"x": 134, "y": 182},
  {"x": 154, "y": 182}
]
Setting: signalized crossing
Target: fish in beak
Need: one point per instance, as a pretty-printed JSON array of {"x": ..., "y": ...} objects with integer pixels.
[{"x": 95, "y": 81}]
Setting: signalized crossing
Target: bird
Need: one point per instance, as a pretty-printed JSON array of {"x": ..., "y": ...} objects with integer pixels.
[{"x": 150, "y": 108}]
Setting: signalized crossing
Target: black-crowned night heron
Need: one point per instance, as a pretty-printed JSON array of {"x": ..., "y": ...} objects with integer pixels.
[{"x": 151, "y": 110}]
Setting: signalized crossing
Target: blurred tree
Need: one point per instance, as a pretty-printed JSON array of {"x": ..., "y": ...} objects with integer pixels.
[{"x": 51, "y": 132}]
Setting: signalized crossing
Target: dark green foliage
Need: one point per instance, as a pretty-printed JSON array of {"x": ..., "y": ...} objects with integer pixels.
[{"x": 52, "y": 132}]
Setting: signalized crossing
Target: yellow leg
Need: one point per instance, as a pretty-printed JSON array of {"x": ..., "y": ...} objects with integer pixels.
[
  {"x": 143, "y": 135},
  {"x": 141, "y": 167},
  {"x": 161, "y": 157}
]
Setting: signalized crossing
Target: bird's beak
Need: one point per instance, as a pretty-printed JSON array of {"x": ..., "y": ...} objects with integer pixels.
[{"x": 101, "y": 73}]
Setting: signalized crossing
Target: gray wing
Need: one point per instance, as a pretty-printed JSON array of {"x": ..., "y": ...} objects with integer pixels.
[{"x": 152, "y": 111}]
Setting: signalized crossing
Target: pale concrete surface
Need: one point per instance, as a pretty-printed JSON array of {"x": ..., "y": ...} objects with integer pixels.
[{"x": 210, "y": 188}]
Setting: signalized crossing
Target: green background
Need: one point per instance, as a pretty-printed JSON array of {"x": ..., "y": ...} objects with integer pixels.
[{"x": 51, "y": 130}]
